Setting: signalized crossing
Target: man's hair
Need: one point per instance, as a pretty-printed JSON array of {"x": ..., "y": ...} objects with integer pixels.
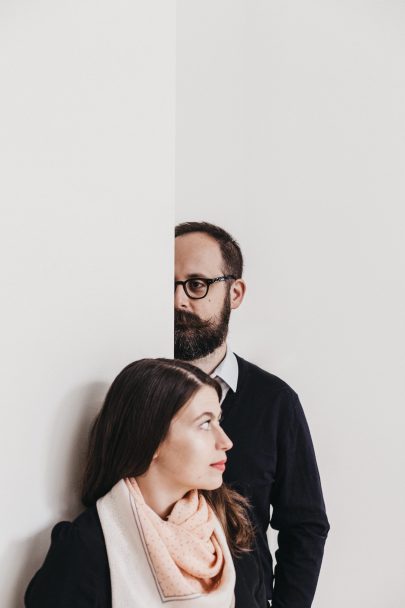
[{"x": 230, "y": 250}]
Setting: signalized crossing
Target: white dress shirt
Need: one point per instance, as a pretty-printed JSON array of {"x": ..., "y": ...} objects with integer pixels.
[{"x": 227, "y": 373}]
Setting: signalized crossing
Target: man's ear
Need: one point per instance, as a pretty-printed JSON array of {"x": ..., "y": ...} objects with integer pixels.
[{"x": 237, "y": 293}]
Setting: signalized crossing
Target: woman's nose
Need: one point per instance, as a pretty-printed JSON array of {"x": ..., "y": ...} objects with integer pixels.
[{"x": 224, "y": 443}]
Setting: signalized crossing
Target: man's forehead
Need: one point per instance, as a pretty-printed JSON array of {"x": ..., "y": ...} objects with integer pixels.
[{"x": 197, "y": 254}]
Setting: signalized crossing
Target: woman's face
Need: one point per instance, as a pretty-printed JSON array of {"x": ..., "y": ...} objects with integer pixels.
[{"x": 193, "y": 454}]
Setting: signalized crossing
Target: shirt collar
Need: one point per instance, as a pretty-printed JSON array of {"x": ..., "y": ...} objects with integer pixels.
[{"x": 228, "y": 370}]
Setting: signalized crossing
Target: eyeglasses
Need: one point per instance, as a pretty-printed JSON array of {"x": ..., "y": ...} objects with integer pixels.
[{"x": 197, "y": 288}]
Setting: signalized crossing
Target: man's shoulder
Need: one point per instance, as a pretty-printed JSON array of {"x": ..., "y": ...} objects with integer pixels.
[
  {"x": 258, "y": 376},
  {"x": 266, "y": 392}
]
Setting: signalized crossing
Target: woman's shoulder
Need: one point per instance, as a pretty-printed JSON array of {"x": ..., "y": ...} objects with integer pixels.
[
  {"x": 80, "y": 539},
  {"x": 84, "y": 530},
  {"x": 75, "y": 568}
]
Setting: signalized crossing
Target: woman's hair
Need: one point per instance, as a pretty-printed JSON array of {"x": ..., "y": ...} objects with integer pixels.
[{"x": 135, "y": 419}]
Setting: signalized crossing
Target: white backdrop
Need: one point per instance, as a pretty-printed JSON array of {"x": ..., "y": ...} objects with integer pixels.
[
  {"x": 87, "y": 187},
  {"x": 290, "y": 132}
]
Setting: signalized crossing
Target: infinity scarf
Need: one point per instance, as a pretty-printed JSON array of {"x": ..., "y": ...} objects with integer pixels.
[
  {"x": 183, "y": 560},
  {"x": 183, "y": 549}
]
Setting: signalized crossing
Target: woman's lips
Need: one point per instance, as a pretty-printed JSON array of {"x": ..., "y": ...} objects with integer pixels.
[{"x": 219, "y": 465}]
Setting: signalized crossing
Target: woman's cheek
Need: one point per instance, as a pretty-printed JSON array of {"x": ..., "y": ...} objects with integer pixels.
[{"x": 194, "y": 449}]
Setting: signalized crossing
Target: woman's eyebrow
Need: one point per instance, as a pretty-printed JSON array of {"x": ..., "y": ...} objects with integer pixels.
[{"x": 208, "y": 414}]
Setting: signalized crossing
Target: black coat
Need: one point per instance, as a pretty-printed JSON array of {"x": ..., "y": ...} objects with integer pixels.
[{"x": 75, "y": 573}]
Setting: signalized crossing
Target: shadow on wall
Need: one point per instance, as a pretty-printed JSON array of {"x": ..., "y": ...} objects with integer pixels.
[{"x": 66, "y": 454}]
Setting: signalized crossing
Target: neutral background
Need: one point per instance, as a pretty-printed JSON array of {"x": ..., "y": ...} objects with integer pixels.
[
  {"x": 290, "y": 132},
  {"x": 87, "y": 159}
]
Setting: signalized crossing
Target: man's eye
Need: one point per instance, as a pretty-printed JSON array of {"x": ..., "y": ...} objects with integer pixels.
[
  {"x": 206, "y": 425},
  {"x": 195, "y": 285}
]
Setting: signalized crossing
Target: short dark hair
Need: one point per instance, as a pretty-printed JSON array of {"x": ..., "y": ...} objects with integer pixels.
[{"x": 230, "y": 249}]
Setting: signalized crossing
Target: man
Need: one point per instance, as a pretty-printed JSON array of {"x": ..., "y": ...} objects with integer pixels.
[{"x": 272, "y": 461}]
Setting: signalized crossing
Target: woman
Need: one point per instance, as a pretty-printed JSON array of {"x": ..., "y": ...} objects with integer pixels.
[{"x": 160, "y": 527}]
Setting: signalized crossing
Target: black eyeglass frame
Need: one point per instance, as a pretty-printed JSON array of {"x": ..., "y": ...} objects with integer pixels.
[{"x": 208, "y": 283}]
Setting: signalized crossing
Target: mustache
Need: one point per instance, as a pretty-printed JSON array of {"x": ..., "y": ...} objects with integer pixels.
[{"x": 189, "y": 320}]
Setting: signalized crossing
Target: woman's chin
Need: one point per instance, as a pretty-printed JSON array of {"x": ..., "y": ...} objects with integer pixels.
[{"x": 212, "y": 484}]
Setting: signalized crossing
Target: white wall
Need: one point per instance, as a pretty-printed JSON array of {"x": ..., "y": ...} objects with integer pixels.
[
  {"x": 87, "y": 187},
  {"x": 290, "y": 132}
]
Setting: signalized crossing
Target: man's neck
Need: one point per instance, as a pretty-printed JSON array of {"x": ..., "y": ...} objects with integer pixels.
[{"x": 210, "y": 362}]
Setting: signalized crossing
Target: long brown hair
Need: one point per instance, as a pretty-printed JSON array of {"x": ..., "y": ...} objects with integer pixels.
[{"x": 135, "y": 419}]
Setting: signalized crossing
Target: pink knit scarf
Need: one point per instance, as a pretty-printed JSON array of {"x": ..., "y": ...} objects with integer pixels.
[{"x": 184, "y": 549}]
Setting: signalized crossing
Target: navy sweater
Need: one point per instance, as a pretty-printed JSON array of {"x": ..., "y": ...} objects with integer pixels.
[{"x": 272, "y": 462}]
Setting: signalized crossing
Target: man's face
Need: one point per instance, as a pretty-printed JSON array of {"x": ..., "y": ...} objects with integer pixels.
[{"x": 200, "y": 326}]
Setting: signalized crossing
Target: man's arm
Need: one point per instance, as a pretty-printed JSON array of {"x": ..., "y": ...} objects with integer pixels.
[{"x": 298, "y": 511}]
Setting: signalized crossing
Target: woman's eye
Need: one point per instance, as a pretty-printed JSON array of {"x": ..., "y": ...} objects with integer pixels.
[{"x": 206, "y": 425}]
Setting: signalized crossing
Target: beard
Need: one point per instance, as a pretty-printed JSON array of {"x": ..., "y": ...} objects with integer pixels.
[{"x": 194, "y": 338}]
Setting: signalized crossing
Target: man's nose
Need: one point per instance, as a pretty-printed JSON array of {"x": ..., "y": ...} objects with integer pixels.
[{"x": 181, "y": 300}]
